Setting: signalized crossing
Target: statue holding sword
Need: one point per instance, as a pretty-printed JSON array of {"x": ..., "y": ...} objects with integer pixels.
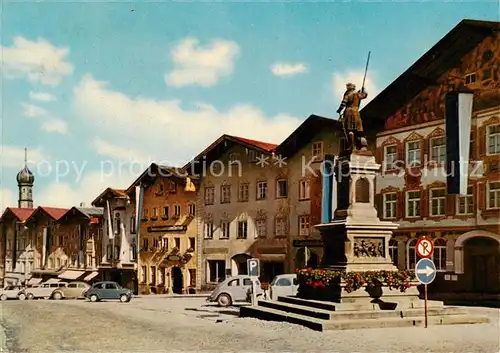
[{"x": 349, "y": 114}]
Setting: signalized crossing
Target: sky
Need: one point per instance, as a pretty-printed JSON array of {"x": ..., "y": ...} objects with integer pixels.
[{"x": 98, "y": 90}]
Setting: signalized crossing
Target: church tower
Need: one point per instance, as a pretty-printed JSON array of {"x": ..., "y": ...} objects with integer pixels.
[{"x": 25, "y": 181}]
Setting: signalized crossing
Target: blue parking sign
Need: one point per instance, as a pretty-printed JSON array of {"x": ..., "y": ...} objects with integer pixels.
[
  {"x": 425, "y": 270},
  {"x": 253, "y": 267}
]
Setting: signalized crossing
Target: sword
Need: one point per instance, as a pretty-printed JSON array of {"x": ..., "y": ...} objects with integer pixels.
[{"x": 366, "y": 70}]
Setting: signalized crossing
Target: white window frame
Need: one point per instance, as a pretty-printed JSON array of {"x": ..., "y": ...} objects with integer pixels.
[
  {"x": 468, "y": 77},
  {"x": 496, "y": 197},
  {"x": 278, "y": 188},
  {"x": 280, "y": 226},
  {"x": 225, "y": 228},
  {"x": 261, "y": 227},
  {"x": 417, "y": 153},
  {"x": 192, "y": 209},
  {"x": 304, "y": 190},
  {"x": 441, "y": 202},
  {"x": 208, "y": 230},
  {"x": 390, "y": 164},
  {"x": 209, "y": 195},
  {"x": 177, "y": 211},
  {"x": 243, "y": 192},
  {"x": 496, "y": 136},
  {"x": 468, "y": 202},
  {"x": 416, "y": 200},
  {"x": 439, "y": 255},
  {"x": 317, "y": 150},
  {"x": 438, "y": 152},
  {"x": 393, "y": 205},
  {"x": 242, "y": 232},
  {"x": 411, "y": 249},
  {"x": 262, "y": 190},
  {"x": 305, "y": 225},
  {"x": 225, "y": 193},
  {"x": 393, "y": 249}
]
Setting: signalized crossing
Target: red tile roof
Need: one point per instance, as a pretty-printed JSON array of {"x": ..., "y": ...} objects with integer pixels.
[
  {"x": 54, "y": 212},
  {"x": 21, "y": 214},
  {"x": 259, "y": 144}
]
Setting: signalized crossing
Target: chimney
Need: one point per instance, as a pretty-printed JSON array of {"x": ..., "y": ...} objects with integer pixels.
[{"x": 82, "y": 204}]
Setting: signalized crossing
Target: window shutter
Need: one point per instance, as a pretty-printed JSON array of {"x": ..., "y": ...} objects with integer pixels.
[
  {"x": 481, "y": 190},
  {"x": 424, "y": 203},
  {"x": 400, "y": 205},
  {"x": 473, "y": 145},
  {"x": 401, "y": 155},
  {"x": 481, "y": 141},
  {"x": 424, "y": 151},
  {"x": 450, "y": 205},
  {"x": 379, "y": 154}
]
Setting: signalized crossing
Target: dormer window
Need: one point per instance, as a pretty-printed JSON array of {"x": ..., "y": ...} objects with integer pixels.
[{"x": 470, "y": 79}]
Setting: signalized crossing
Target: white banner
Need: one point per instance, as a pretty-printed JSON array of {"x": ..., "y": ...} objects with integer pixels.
[{"x": 110, "y": 222}]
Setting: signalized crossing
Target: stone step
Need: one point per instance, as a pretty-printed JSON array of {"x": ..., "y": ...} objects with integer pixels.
[
  {"x": 270, "y": 314},
  {"x": 357, "y": 314},
  {"x": 306, "y": 302}
]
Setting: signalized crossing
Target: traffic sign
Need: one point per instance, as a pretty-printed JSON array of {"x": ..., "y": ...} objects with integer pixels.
[
  {"x": 425, "y": 270},
  {"x": 424, "y": 247},
  {"x": 253, "y": 267}
]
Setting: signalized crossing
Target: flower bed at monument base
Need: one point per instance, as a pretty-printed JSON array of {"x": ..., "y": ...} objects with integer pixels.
[{"x": 324, "y": 284}]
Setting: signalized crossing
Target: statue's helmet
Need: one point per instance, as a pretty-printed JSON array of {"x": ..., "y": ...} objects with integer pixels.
[{"x": 350, "y": 85}]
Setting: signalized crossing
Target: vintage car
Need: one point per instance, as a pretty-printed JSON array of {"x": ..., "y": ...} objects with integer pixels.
[
  {"x": 10, "y": 292},
  {"x": 283, "y": 286},
  {"x": 108, "y": 290},
  {"x": 43, "y": 290},
  {"x": 72, "y": 290},
  {"x": 233, "y": 290}
]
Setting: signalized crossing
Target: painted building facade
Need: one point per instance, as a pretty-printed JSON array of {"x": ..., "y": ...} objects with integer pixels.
[
  {"x": 412, "y": 150},
  {"x": 168, "y": 244}
]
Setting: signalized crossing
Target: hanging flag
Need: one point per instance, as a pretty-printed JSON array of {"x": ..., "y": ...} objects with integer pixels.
[
  {"x": 139, "y": 193},
  {"x": 110, "y": 222}
]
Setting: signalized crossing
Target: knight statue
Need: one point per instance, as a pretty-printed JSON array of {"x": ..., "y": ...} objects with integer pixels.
[{"x": 351, "y": 119}]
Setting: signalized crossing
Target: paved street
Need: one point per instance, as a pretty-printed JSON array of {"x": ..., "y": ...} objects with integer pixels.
[{"x": 185, "y": 324}]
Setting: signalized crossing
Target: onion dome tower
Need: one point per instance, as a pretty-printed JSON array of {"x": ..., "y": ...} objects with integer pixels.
[{"x": 25, "y": 181}]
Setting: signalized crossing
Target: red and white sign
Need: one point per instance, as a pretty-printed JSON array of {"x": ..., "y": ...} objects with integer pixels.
[{"x": 424, "y": 247}]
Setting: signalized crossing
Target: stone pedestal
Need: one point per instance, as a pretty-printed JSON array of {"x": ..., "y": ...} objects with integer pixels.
[{"x": 356, "y": 239}]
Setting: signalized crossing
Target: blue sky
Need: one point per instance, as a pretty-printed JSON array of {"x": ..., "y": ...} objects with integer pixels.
[{"x": 94, "y": 84}]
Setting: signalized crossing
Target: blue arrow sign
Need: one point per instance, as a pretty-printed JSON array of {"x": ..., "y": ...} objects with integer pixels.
[{"x": 425, "y": 270}]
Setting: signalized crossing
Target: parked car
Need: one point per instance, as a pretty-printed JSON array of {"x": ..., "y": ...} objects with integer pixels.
[
  {"x": 234, "y": 289},
  {"x": 44, "y": 290},
  {"x": 10, "y": 292},
  {"x": 72, "y": 290},
  {"x": 283, "y": 286},
  {"x": 108, "y": 290}
]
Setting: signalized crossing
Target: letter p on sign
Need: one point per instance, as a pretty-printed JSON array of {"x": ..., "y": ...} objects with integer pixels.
[{"x": 253, "y": 267}]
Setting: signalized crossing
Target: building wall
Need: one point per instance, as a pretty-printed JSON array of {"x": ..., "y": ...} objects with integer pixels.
[
  {"x": 159, "y": 251},
  {"x": 467, "y": 242}
]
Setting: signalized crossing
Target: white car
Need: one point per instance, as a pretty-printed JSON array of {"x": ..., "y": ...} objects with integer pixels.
[
  {"x": 283, "y": 286},
  {"x": 43, "y": 290},
  {"x": 10, "y": 292},
  {"x": 233, "y": 290}
]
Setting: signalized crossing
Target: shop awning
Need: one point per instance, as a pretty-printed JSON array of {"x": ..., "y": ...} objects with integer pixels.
[
  {"x": 34, "y": 281},
  {"x": 271, "y": 257},
  {"x": 18, "y": 276},
  {"x": 91, "y": 275},
  {"x": 69, "y": 274}
]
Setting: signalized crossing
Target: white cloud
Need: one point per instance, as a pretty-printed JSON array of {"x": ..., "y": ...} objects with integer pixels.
[
  {"x": 355, "y": 76},
  {"x": 42, "y": 96},
  {"x": 107, "y": 149},
  {"x": 164, "y": 128},
  {"x": 36, "y": 61},
  {"x": 201, "y": 65},
  {"x": 92, "y": 183},
  {"x": 13, "y": 157},
  {"x": 288, "y": 70},
  {"x": 49, "y": 122},
  {"x": 7, "y": 199}
]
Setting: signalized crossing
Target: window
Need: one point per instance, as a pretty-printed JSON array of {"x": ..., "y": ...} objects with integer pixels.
[
  {"x": 145, "y": 244},
  {"x": 261, "y": 226},
  {"x": 117, "y": 252},
  {"x": 413, "y": 204},
  {"x": 390, "y": 157},
  {"x": 153, "y": 275},
  {"x": 177, "y": 243},
  {"x": 234, "y": 283},
  {"x": 242, "y": 229},
  {"x": 159, "y": 188},
  {"x": 224, "y": 228},
  {"x": 317, "y": 150},
  {"x": 144, "y": 274},
  {"x": 165, "y": 212},
  {"x": 161, "y": 277},
  {"x": 209, "y": 195},
  {"x": 304, "y": 192},
  {"x": 110, "y": 286},
  {"x": 390, "y": 205},
  {"x": 465, "y": 204},
  {"x": 494, "y": 195},
  {"x": 304, "y": 225},
  {"x": 470, "y": 79},
  {"x": 155, "y": 212},
  {"x": 165, "y": 243},
  {"x": 192, "y": 243},
  {"x": 208, "y": 231},
  {"x": 280, "y": 227},
  {"x": 191, "y": 209},
  {"x": 439, "y": 255},
  {"x": 192, "y": 277},
  {"x": 132, "y": 225},
  {"x": 413, "y": 154},
  {"x": 283, "y": 282},
  {"x": 177, "y": 211},
  {"x": 216, "y": 270},
  {"x": 247, "y": 282},
  {"x": 411, "y": 255},
  {"x": 282, "y": 188},
  {"x": 243, "y": 192},
  {"x": 393, "y": 251},
  {"x": 261, "y": 190},
  {"x": 133, "y": 252},
  {"x": 225, "y": 194},
  {"x": 438, "y": 199},
  {"x": 494, "y": 139},
  {"x": 155, "y": 243},
  {"x": 252, "y": 155},
  {"x": 145, "y": 212},
  {"x": 438, "y": 150}
]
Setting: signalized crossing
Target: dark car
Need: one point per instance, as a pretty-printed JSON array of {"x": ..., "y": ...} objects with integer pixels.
[{"x": 108, "y": 290}]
